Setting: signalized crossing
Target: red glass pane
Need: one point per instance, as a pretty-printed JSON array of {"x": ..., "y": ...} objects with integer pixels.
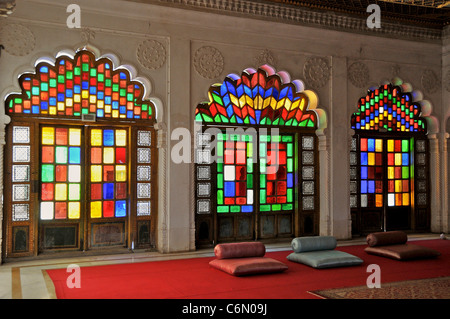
[
  {"x": 108, "y": 173},
  {"x": 96, "y": 191},
  {"x": 229, "y": 157},
  {"x": 96, "y": 155},
  {"x": 229, "y": 201},
  {"x": 121, "y": 155},
  {"x": 398, "y": 172},
  {"x": 61, "y": 173},
  {"x": 391, "y": 186},
  {"x": 391, "y": 160},
  {"x": 240, "y": 157},
  {"x": 241, "y": 189},
  {"x": 398, "y": 146},
  {"x": 61, "y": 136},
  {"x": 281, "y": 199},
  {"x": 364, "y": 144},
  {"x": 48, "y": 154},
  {"x": 241, "y": 200},
  {"x": 240, "y": 145},
  {"x": 60, "y": 210},
  {"x": 281, "y": 188},
  {"x": 121, "y": 190},
  {"x": 281, "y": 157},
  {"x": 270, "y": 188},
  {"x": 405, "y": 185},
  {"x": 379, "y": 172},
  {"x": 379, "y": 159},
  {"x": 271, "y": 200},
  {"x": 371, "y": 172},
  {"x": 47, "y": 191},
  {"x": 378, "y": 187},
  {"x": 241, "y": 173},
  {"x": 108, "y": 208}
]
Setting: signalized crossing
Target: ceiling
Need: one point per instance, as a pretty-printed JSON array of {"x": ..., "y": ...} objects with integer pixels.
[{"x": 425, "y": 13}]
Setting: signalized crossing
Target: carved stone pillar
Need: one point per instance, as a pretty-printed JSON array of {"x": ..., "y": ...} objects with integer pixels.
[
  {"x": 4, "y": 120},
  {"x": 445, "y": 180},
  {"x": 435, "y": 184},
  {"x": 162, "y": 240},
  {"x": 324, "y": 165}
]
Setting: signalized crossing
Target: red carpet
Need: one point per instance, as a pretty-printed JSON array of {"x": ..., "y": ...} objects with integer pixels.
[{"x": 195, "y": 279}]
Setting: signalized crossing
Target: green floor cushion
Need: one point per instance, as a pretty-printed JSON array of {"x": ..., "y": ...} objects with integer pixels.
[
  {"x": 325, "y": 259},
  {"x": 313, "y": 243}
]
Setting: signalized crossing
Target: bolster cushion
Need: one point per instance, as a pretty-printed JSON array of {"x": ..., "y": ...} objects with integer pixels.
[
  {"x": 239, "y": 250},
  {"x": 403, "y": 252},
  {"x": 325, "y": 259},
  {"x": 386, "y": 238},
  {"x": 248, "y": 266},
  {"x": 313, "y": 243}
]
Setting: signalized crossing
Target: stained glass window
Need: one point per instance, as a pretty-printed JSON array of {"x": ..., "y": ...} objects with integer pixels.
[
  {"x": 257, "y": 99},
  {"x": 81, "y": 85},
  {"x": 371, "y": 167},
  {"x": 61, "y": 171},
  {"x": 390, "y": 109},
  {"x": 398, "y": 172},
  {"x": 108, "y": 172}
]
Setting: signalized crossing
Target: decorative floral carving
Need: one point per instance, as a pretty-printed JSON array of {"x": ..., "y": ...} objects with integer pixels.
[
  {"x": 208, "y": 62},
  {"x": 17, "y": 39},
  {"x": 447, "y": 80},
  {"x": 316, "y": 71},
  {"x": 265, "y": 57},
  {"x": 430, "y": 81},
  {"x": 358, "y": 74},
  {"x": 151, "y": 54}
]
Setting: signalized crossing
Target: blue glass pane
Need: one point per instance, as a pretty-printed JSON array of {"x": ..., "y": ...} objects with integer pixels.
[
  {"x": 108, "y": 137},
  {"x": 405, "y": 159},
  {"x": 74, "y": 155},
  {"x": 371, "y": 145},
  {"x": 121, "y": 208},
  {"x": 290, "y": 180},
  {"x": 364, "y": 172},
  {"x": 363, "y": 158},
  {"x": 108, "y": 191},
  {"x": 371, "y": 187},
  {"x": 230, "y": 189},
  {"x": 363, "y": 187},
  {"x": 247, "y": 209}
]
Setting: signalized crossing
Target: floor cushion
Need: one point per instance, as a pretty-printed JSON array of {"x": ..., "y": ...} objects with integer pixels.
[
  {"x": 325, "y": 259},
  {"x": 313, "y": 243},
  {"x": 248, "y": 265},
  {"x": 402, "y": 251},
  {"x": 393, "y": 244},
  {"x": 245, "y": 258}
]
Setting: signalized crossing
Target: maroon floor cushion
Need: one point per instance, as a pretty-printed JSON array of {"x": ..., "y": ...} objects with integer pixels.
[
  {"x": 246, "y": 258},
  {"x": 393, "y": 244}
]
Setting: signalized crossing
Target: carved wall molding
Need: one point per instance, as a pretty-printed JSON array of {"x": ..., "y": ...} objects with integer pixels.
[
  {"x": 317, "y": 71},
  {"x": 300, "y": 15},
  {"x": 208, "y": 62},
  {"x": 358, "y": 74},
  {"x": 151, "y": 54},
  {"x": 17, "y": 39},
  {"x": 447, "y": 80}
]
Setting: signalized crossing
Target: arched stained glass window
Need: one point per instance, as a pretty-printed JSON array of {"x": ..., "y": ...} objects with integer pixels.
[
  {"x": 389, "y": 163},
  {"x": 252, "y": 183},
  {"x": 81, "y": 149}
]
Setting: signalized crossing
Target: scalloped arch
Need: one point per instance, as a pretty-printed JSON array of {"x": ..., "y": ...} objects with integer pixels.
[{"x": 262, "y": 97}]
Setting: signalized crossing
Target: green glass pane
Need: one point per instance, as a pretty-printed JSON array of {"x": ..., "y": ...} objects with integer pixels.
[
  {"x": 289, "y": 195},
  {"x": 262, "y": 165},
  {"x": 44, "y": 87},
  {"x": 100, "y": 77},
  {"x": 61, "y": 79},
  {"x": 69, "y": 75},
  {"x": 276, "y": 138},
  {"x": 405, "y": 172},
  {"x": 220, "y": 167},
  {"x": 286, "y": 138},
  {"x": 262, "y": 196},
  {"x": 93, "y": 72},
  {"x": 220, "y": 197},
  {"x": 123, "y": 92},
  {"x": 85, "y": 67},
  {"x": 262, "y": 181},
  {"x": 249, "y": 165},
  {"x": 289, "y": 150},
  {"x": 61, "y": 154},
  {"x": 77, "y": 70},
  {"x": 249, "y": 149},
  {"x": 290, "y": 165},
  {"x": 220, "y": 149},
  {"x": 223, "y": 209},
  {"x": 264, "y": 208},
  {"x": 249, "y": 181},
  {"x": 47, "y": 173},
  {"x": 287, "y": 206},
  {"x": 235, "y": 209},
  {"x": 108, "y": 82},
  {"x": 219, "y": 180},
  {"x": 115, "y": 87},
  {"x": 35, "y": 90},
  {"x": 276, "y": 207},
  {"x": 405, "y": 146},
  {"x": 52, "y": 83}
]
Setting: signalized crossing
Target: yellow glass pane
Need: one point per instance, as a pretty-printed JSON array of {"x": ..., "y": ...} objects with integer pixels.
[
  {"x": 398, "y": 186},
  {"x": 405, "y": 199},
  {"x": 379, "y": 200},
  {"x": 398, "y": 159},
  {"x": 121, "y": 138},
  {"x": 391, "y": 172},
  {"x": 390, "y": 145},
  {"x": 96, "y": 173},
  {"x": 108, "y": 155},
  {"x": 60, "y": 191},
  {"x": 371, "y": 159},
  {"x": 74, "y": 210},
  {"x": 74, "y": 137},
  {"x": 96, "y": 137},
  {"x": 378, "y": 145},
  {"x": 121, "y": 173},
  {"x": 48, "y": 135},
  {"x": 96, "y": 209}
]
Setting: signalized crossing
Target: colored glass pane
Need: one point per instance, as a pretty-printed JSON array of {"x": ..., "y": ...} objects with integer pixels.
[
  {"x": 74, "y": 210},
  {"x": 74, "y": 137},
  {"x": 96, "y": 209},
  {"x": 47, "y": 210},
  {"x": 48, "y": 136},
  {"x": 61, "y": 136}
]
